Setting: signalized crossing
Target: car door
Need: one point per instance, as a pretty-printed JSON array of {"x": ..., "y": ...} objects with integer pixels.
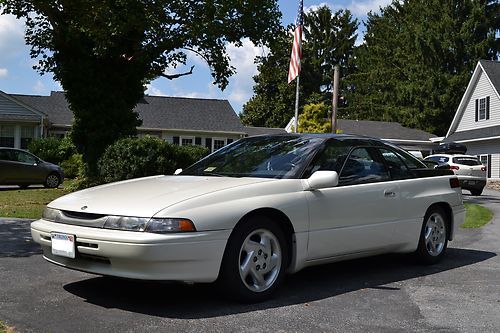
[
  {"x": 357, "y": 215},
  {"x": 27, "y": 169}
]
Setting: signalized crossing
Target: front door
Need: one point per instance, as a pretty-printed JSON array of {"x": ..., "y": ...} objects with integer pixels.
[{"x": 359, "y": 214}]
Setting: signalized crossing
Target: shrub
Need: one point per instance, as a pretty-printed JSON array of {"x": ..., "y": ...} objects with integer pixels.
[
  {"x": 73, "y": 167},
  {"x": 52, "y": 149},
  {"x": 140, "y": 157}
]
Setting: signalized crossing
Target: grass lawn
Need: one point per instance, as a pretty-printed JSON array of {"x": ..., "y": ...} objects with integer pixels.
[
  {"x": 28, "y": 203},
  {"x": 476, "y": 216}
]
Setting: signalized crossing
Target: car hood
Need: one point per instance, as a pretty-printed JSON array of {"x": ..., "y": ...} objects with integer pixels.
[{"x": 144, "y": 197}]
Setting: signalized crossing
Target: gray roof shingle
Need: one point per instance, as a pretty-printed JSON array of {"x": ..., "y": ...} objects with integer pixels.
[
  {"x": 492, "y": 69},
  {"x": 251, "y": 130},
  {"x": 155, "y": 111},
  {"x": 382, "y": 129},
  {"x": 479, "y": 133}
]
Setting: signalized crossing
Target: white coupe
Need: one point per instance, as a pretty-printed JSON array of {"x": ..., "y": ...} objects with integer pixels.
[{"x": 255, "y": 210}]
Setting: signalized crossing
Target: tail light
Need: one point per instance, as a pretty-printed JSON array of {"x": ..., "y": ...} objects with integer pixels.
[
  {"x": 454, "y": 182},
  {"x": 484, "y": 168},
  {"x": 454, "y": 167}
]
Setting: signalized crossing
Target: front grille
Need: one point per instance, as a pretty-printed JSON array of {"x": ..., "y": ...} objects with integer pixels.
[{"x": 82, "y": 216}]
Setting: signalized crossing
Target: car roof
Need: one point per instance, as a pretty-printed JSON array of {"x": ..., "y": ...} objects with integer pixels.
[
  {"x": 325, "y": 136},
  {"x": 453, "y": 155}
]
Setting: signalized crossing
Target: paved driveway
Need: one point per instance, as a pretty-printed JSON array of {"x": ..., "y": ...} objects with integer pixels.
[{"x": 382, "y": 294}]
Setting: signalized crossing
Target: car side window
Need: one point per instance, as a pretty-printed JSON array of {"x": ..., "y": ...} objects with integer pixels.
[
  {"x": 362, "y": 167},
  {"x": 331, "y": 158},
  {"x": 5, "y": 155},
  {"x": 24, "y": 157},
  {"x": 397, "y": 168}
]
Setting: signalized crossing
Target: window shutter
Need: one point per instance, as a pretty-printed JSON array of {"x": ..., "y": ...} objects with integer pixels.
[
  {"x": 176, "y": 140},
  {"x": 477, "y": 109},
  {"x": 197, "y": 141},
  {"x": 489, "y": 166},
  {"x": 229, "y": 141},
  {"x": 208, "y": 143},
  {"x": 488, "y": 107}
]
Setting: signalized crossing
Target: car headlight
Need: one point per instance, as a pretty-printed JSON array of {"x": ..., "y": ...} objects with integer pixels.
[
  {"x": 154, "y": 225},
  {"x": 126, "y": 223},
  {"x": 167, "y": 225},
  {"x": 51, "y": 214}
]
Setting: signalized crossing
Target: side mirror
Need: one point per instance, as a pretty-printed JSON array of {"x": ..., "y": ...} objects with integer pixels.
[
  {"x": 322, "y": 179},
  {"x": 178, "y": 171}
]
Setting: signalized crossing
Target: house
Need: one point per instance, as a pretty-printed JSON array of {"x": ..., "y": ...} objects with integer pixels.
[
  {"x": 185, "y": 121},
  {"x": 477, "y": 120}
]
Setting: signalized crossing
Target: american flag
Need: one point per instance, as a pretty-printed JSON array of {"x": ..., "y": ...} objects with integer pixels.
[{"x": 294, "y": 69}]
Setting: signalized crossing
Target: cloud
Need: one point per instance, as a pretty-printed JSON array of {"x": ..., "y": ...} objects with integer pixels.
[
  {"x": 363, "y": 7},
  {"x": 3, "y": 72},
  {"x": 11, "y": 37},
  {"x": 357, "y": 7},
  {"x": 153, "y": 91},
  {"x": 39, "y": 88},
  {"x": 240, "y": 87}
]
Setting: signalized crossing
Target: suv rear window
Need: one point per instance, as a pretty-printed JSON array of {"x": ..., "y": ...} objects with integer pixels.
[{"x": 466, "y": 161}]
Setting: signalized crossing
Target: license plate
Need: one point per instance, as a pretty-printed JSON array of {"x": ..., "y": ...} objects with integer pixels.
[{"x": 63, "y": 245}]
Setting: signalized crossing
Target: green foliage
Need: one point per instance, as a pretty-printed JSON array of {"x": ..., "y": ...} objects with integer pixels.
[
  {"x": 314, "y": 119},
  {"x": 140, "y": 157},
  {"x": 73, "y": 167},
  {"x": 104, "y": 52},
  {"x": 52, "y": 149},
  {"x": 417, "y": 59},
  {"x": 476, "y": 216},
  {"x": 328, "y": 40}
]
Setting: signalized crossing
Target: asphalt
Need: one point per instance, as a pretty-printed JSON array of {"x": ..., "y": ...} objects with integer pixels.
[{"x": 388, "y": 293}]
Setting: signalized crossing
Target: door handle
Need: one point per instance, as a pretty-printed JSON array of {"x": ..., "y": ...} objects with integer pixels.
[{"x": 389, "y": 194}]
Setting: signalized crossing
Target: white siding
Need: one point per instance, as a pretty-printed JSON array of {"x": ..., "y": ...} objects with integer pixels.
[
  {"x": 490, "y": 147},
  {"x": 482, "y": 89}
]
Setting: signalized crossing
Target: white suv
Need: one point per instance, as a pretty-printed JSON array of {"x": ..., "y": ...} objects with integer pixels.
[{"x": 468, "y": 168}]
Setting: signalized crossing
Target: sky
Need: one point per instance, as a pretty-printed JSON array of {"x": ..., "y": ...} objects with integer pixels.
[{"x": 17, "y": 75}]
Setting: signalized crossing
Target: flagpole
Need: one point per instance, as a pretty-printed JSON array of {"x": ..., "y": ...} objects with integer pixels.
[{"x": 297, "y": 106}]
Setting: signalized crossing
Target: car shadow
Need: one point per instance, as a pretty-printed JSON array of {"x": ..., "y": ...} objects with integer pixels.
[
  {"x": 17, "y": 188},
  {"x": 15, "y": 239},
  {"x": 482, "y": 199},
  {"x": 183, "y": 301}
]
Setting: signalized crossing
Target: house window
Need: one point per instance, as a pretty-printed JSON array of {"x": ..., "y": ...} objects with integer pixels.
[
  {"x": 7, "y": 136},
  {"x": 187, "y": 141},
  {"x": 482, "y": 108},
  {"x": 27, "y": 135},
  {"x": 218, "y": 143}
]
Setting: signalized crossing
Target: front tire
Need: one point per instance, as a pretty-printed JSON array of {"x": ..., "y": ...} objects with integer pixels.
[
  {"x": 433, "y": 240},
  {"x": 52, "y": 181},
  {"x": 255, "y": 260}
]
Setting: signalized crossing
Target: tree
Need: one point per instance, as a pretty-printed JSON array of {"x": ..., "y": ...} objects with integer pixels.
[
  {"x": 104, "y": 52},
  {"x": 417, "y": 58},
  {"x": 314, "y": 119},
  {"x": 328, "y": 40}
]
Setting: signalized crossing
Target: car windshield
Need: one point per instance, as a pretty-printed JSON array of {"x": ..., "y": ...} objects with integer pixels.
[
  {"x": 466, "y": 160},
  {"x": 261, "y": 156}
]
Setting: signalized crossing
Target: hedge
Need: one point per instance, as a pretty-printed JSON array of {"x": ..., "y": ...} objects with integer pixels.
[{"x": 140, "y": 157}]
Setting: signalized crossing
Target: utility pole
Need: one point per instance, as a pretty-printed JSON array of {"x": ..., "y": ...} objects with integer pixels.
[{"x": 335, "y": 98}]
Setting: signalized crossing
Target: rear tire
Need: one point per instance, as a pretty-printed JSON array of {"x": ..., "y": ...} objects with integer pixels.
[
  {"x": 254, "y": 261},
  {"x": 433, "y": 239},
  {"x": 52, "y": 181},
  {"x": 476, "y": 192}
]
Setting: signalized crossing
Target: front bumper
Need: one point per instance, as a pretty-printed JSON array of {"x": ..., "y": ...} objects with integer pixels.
[{"x": 189, "y": 257}]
